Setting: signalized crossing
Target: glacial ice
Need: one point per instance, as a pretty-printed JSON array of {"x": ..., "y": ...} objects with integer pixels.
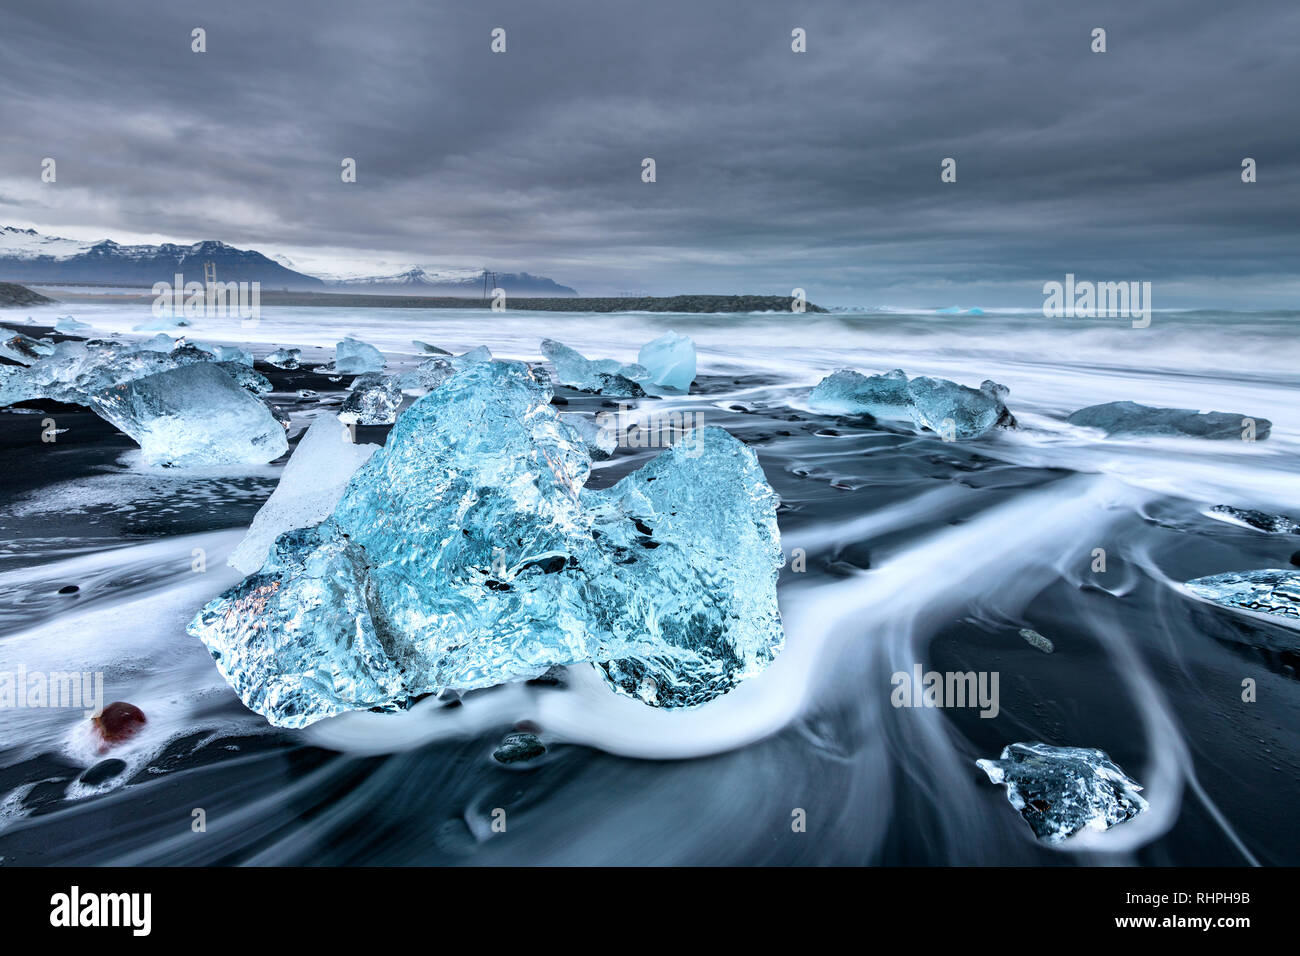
[
  {"x": 1062, "y": 790},
  {"x": 372, "y": 400},
  {"x": 427, "y": 375},
  {"x": 227, "y": 353},
  {"x": 1274, "y": 591},
  {"x": 846, "y": 392},
  {"x": 23, "y": 348},
  {"x": 430, "y": 349},
  {"x": 605, "y": 376},
  {"x": 934, "y": 403},
  {"x": 474, "y": 356},
  {"x": 310, "y": 486},
  {"x": 669, "y": 361},
  {"x": 288, "y": 359},
  {"x": 70, "y": 324},
  {"x": 951, "y": 409},
  {"x": 192, "y": 415},
  {"x": 1259, "y": 520},
  {"x": 352, "y": 357},
  {"x": 1129, "y": 419},
  {"x": 601, "y": 442},
  {"x": 466, "y": 553}
]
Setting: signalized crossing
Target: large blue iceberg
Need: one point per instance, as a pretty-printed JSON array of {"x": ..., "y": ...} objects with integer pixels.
[
  {"x": 953, "y": 411},
  {"x": 467, "y": 553}
]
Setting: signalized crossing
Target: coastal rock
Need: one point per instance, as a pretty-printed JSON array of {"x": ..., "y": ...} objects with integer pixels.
[
  {"x": 1129, "y": 419},
  {"x": 1062, "y": 790}
]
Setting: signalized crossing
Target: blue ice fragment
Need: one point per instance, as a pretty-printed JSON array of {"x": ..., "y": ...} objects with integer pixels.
[
  {"x": 1062, "y": 790},
  {"x": 1274, "y": 591},
  {"x": 483, "y": 560},
  {"x": 352, "y": 357},
  {"x": 605, "y": 376},
  {"x": 846, "y": 392},
  {"x": 669, "y": 361},
  {"x": 954, "y": 411}
]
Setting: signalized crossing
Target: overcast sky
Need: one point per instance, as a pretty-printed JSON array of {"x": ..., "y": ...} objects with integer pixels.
[{"x": 819, "y": 170}]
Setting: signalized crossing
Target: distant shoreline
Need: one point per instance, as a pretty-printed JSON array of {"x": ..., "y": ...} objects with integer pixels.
[{"x": 674, "y": 303}]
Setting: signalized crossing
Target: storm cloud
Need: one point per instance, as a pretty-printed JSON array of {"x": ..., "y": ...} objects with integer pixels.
[{"x": 775, "y": 169}]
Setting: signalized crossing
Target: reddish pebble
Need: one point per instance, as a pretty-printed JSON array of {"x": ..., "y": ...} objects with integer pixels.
[{"x": 118, "y": 721}]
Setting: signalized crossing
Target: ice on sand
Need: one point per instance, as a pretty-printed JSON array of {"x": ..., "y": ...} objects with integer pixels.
[
  {"x": 192, "y": 415},
  {"x": 372, "y": 400},
  {"x": 605, "y": 376},
  {"x": 1129, "y": 419},
  {"x": 466, "y": 553},
  {"x": 352, "y": 357},
  {"x": 669, "y": 361},
  {"x": 1062, "y": 790},
  {"x": 310, "y": 486},
  {"x": 288, "y": 359},
  {"x": 846, "y": 392}
]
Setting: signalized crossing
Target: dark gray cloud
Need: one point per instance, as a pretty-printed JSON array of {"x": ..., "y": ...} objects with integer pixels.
[{"x": 775, "y": 170}]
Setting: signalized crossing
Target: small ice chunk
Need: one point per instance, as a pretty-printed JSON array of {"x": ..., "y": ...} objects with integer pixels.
[
  {"x": 1259, "y": 520},
  {"x": 604, "y": 376},
  {"x": 352, "y": 357},
  {"x": 23, "y": 348},
  {"x": 430, "y": 349},
  {"x": 669, "y": 361},
  {"x": 601, "y": 442},
  {"x": 192, "y": 415},
  {"x": 288, "y": 359},
  {"x": 373, "y": 400},
  {"x": 1062, "y": 790},
  {"x": 70, "y": 324},
  {"x": 227, "y": 353},
  {"x": 474, "y": 356},
  {"x": 427, "y": 375},
  {"x": 846, "y": 392},
  {"x": 1274, "y": 591},
  {"x": 1037, "y": 640},
  {"x": 310, "y": 486},
  {"x": 1129, "y": 419},
  {"x": 953, "y": 410}
]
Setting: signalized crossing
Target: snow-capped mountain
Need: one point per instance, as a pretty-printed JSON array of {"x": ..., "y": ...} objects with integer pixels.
[
  {"x": 464, "y": 282},
  {"x": 28, "y": 256}
]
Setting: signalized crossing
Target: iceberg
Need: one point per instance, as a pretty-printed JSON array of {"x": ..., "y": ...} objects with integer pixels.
[
  {"x": 1062, "y": 790},
  {"x": 69, "y": 324},
  {"x": 1259, "y": 520},
  {"x": 955, "y": 410},
  {"x": 192, "y": 415},
  {"x": 352, "y": 357},
  {"x": 1271, "y": 591},
  {"x": 1129, "y": 419},
  {"x": 288, "y": 359},
  {"x": 467, "y": 553},
  {"x": 310, "y": 486},
  {"x": 372, "y": 400},
  {"x": 605, "y": 376},
  {"x": 846, "y": 392},
  {"x": 669, "y": 361}
]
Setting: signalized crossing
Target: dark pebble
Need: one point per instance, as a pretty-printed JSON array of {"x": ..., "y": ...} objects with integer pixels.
[
  {"x": 69, "y": 589},
  {"x": 102, "y": 771},
  {"x": 516, "y": 748},
  {"x": 1295, "y": 559}
]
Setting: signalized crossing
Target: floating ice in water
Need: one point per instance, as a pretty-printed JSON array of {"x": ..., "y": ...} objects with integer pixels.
[
  {"x": 1274, "y": 591},
  {"x": 431, "y": 349},
  {"x": 373, "y": 400},
  {"x": 352, "y": 357},
  {"x": 465, "y": 553},
  {"x": 955, "y": 411},
  {"x": 1132, "y": 419},
  {"x": 1259, "y": 520},
  {"x": 1062, "y": 790},
  {"x": 23, "y": 348},
  {"x": 166, "y": 323},
  {"x": 846, "y": 392},
  {"x": 601, "y": 443},
  {"x": 605, "y": 376},
  {"x": 288, "y": 359},
  {"x": 310, "y": 486},
  {"x": 669, "y": 361},
  {"x": 69, "y": 324},
  {"x": 192, "y": 415}
]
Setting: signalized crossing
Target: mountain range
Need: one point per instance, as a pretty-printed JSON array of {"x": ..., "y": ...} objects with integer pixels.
[{"x": 28, "y": 256}]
